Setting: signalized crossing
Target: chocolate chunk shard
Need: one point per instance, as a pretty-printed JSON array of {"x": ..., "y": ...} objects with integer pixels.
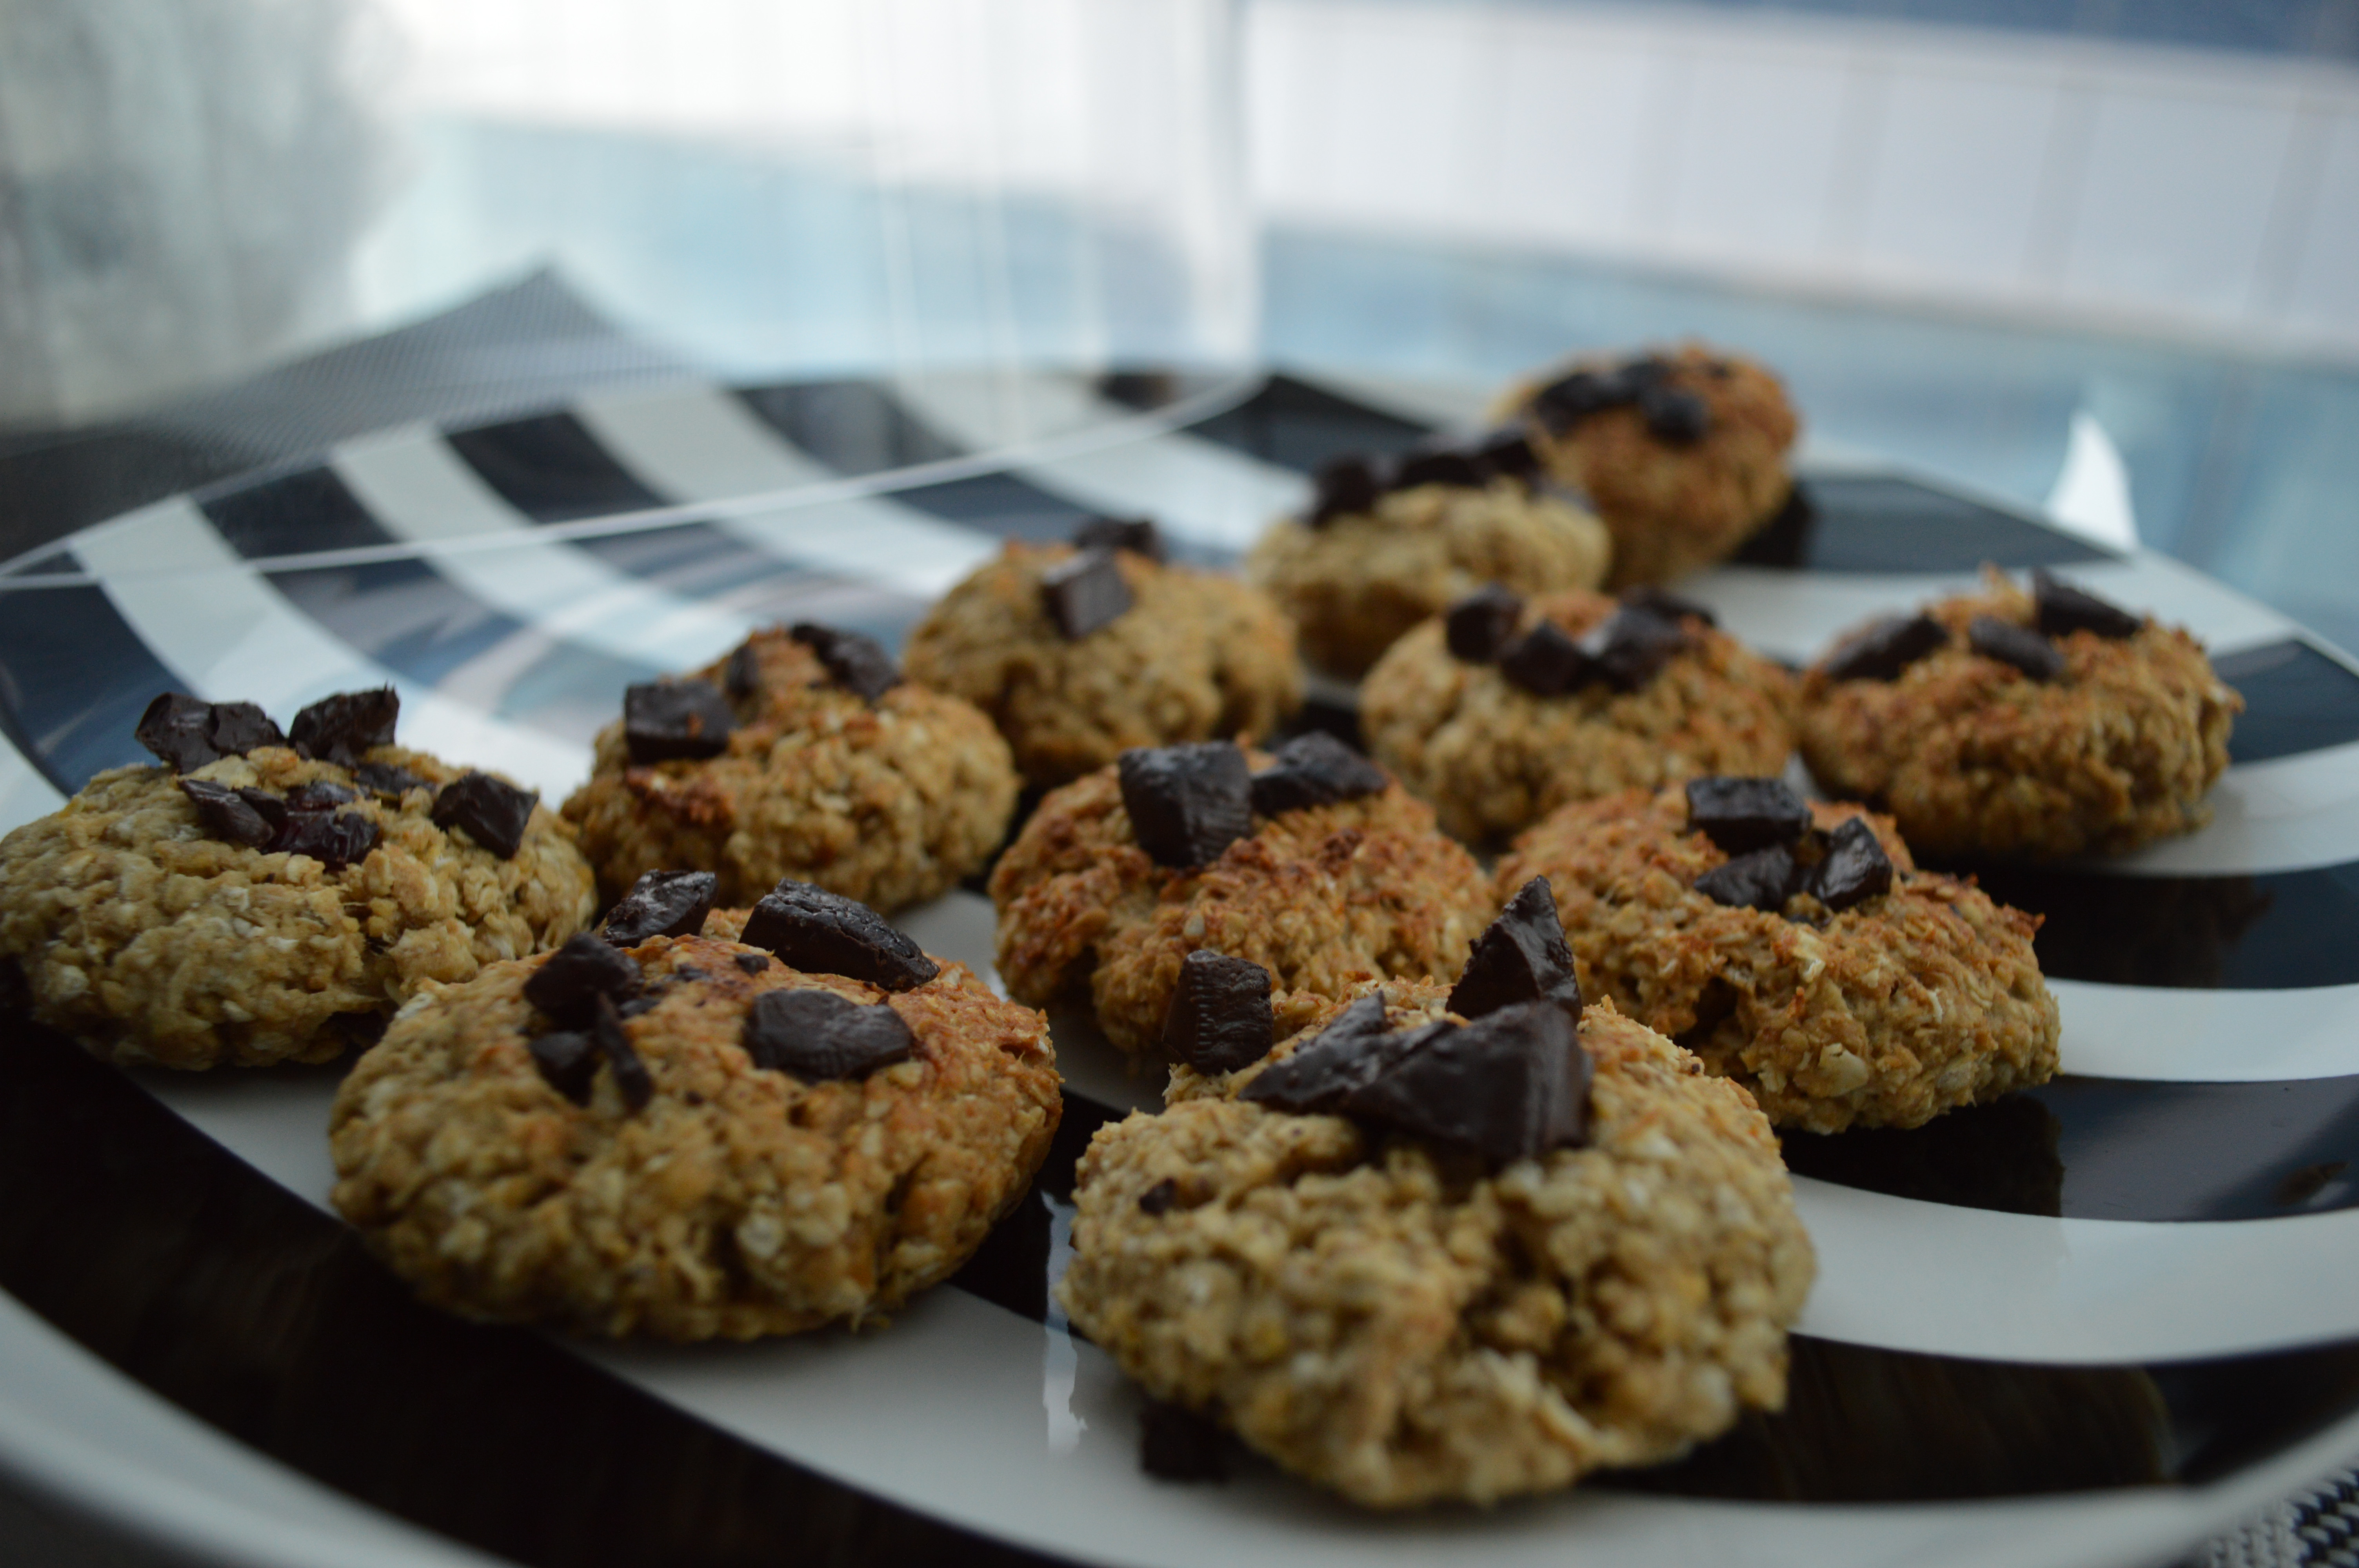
[
  {"x": 1479, "y": 625},
  {"x": 2063, "y": 609},
  {"x": 1674, "y": 418},
  {"x": 1438, "y": 465},
  {"x": 2020, "y": 646},
  {"x": 1669, "y": 606},
  {"x": 1506, "y": 451},
  {"x": 494, "y": 812},
  {"x": 1856, "y": 868},
  {"x": 1761, "y": 878},
  {"x": 1085, "y": 593},
  {"x": 632, "y": 1079},
  {"x": 320, "y": 795},
  {"x": 1174, "y": 1443},
  {"x": 1138, "y": 535},
  {"x": 1346, "y": 1054},
  {"x": 742, "y": 675},
  {"x": 1158, "y": 1198},
  {"x": 1547, "y": 662},
  {"x": 752, "y": 963},
  {"x": 227, "y": 815},
  {"x": 179, "y": 729},
  {"x": 1511, "y": 1086},
  {"x": 568, "y": 1059},
  {"x": 1743, "y": 813},
  {"x": 1632, "y": 647},
  {"x": 1314, "y": 769},
  {"x": 1187, "y": 802},
  {"x": 238, "y": 728},
  {"x": 1523, "y": 957},
  {"x": 1220, "y": 1018},
  {"x": 1564, "y": 403},
  {"x": 821, "y": 933},
  {"x": 1886, "y": 648},
  {"x": 818, "y": 1036},
  {"x": 386, "y": 781},
  {"x": 856, "y": 663},
  {"x": 669, "y": 720},
  {"x": 335, "y": 839},
  {"x": 661, "y": 903},
  {"x": 1344, "y": 485},
  {"x": 572, "y": 978},
  {"x": 342, "y": 727}
]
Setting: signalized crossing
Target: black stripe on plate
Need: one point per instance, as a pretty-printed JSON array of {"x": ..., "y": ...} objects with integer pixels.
[
  {"x": 2296, "y": 699},
  {"x": 2116, "y": 1148},
  {"x": 1884, "y": 522},
  {"x": 296, "y": 514},
  {"x": 552, "y": 469},
  {"x": 852, "y": 427},
  {"x": 1002, "y": 503},
  {"x": 74, "y": 678},
  {"x": 1298, "y": 426}
]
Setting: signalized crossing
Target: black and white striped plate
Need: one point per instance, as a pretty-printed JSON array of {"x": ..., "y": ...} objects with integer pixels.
[{"x": 2085, "y": 1326}]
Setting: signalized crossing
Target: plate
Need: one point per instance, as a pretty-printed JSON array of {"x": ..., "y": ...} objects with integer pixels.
[{"x": 2085, "y": 1326}]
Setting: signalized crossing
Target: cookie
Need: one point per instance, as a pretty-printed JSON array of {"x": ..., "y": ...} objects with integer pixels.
[
  {"x": 800, "y": 755},
  {"x": 1982, "y": 733},
  {"x": 1558, "y": 704},
  {"x": 1842, "y": 986},
  {"x": 1323, "y": 896},
  {"x": 733, "y": 1148},
  {"x": 1406, "y": 1323},
  {"x": 266, "y": 906},
  {"x": 1193, "y": 655},
  {"x": 1682, "y": 454}
]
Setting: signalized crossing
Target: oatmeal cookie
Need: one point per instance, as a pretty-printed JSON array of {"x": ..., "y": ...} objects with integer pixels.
[
  {"x": 675, "y": 1187},
  {"x": 1394, "y": 1320},
  {"x": 1683, "y": 454},
  {"x": 1493, "y": 754},
  {"x": 2022, "y": 723},
  {"x": 1191, "y": 656},
  {"x": 150, "y": 937},
  {"x": 1916, "y": 995},
  {"x": 814, "y": 760}
]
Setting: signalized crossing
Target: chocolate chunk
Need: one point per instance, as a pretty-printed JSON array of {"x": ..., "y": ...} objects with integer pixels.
[
  {"x": 1886, "y": 648},
  {"x": 667, "y": 720},
  {"x": 320, "y": 795},
  {"x": 1220, "y": 1018},
  {"x": 1511, "y": 1086},
  {"x": 645, "y": 1002},
  {"x": 1174, "y": 1443},
  {"x": 494, "y": 812},
  {"x": 568, "y": 1059},
  {"x": 1565, "y": 403},
  {"x": 571, "y": 979},
  {"x": 1314, "y": 769},
  {"x": 821, "y": 933},
  {"x": 239, "y": 727},
  {"x": 179, "y": 729},
  {"x": 819, "y": 1035},
  {"x": 1158, "y": 1198},
  {"x": 2020, "y": 646},
  {"x": 1506, "y": 451},
  {"x": 1523, "y": 957},
  {"x": 1547, "y": 662},
  {"x": 386, "y": 781},
  {"x": 752, "y": 963},
  {"x": 1675, "y": 417},
  {"x": 341, "y": 728},
  {"x": 2063, "y": 609},
  {"x": 271, "y": 808},
  {"x": 1138, "y": 535},
  {"x": 1438, "y": 465},
  {"x": 1742, "y": 814},
  {"x": 335, "y": 839},
  {"x": 1187, "y": 802},
  {"x": 1761, "y": 878},
  {"x": 631, "y": 1076},
  {"x": 858, "y": 663},
  {"x": 1632, "y": 647},
  {"x": 1085, "y": 593},
  {"x": 686, "y": 972},
  {"x": 1479, "y": 625},
  {"x": 1346, "y": 1054},
  {"x": 1856, "y": 868},
  {"x": 1344, "y": 485},
  {"x": 226, "y": 814},
  {"x": 661, "y": 903},
  {"x": 742, "y": 675},
  {"x": 1668, "y": 605}
]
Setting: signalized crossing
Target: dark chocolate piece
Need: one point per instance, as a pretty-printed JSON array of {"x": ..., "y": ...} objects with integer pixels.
[
  {"x": 1886, "y": 648},
  {"x": 1511, "y": 1086},
  {"x": 1744, "y": 814},
  {"x": 179, "y": 729},
  {"x": 1158, "y": 1198},
  {"x": 571, "y": 979},
  {"x": 1346, "y": 1054},
  {"x": 631, "y": 1076},
  {"x": 1547, "y": 662},
  {"x": 341, "y": 728},
  {"x": 819, "y": 1035},
  {"x": 1564, "y": 403},
  {"x": 667, "y": 720},
  {"x": 752, "y": 963},
  {"x": 1314, "y": 769},
  {"x": 1632, "y": 647},
  {"x": 1220, "y": 1018},
  {"x": 271, "y": 808},
  {"x": 1856, "y": 868},
  {"x": 1674, "y": 418},
  {"x": 1761, "y": 878},
  {"x": 646, "y": 1002},
  {"x": 1523, "y": 957},
  {"x": 1174, "y": 1443},
  {"x": 1669, "y": 605},
  {"x": 1138, "y": 535},
  {"x": 857, "y": 663},
  {"x": 742, "y": 675},
  {"x": 335, "y": 839},
  {"x": 226, "y": 814},
  {"x": 1479, "y": 625},
  {"x": 2026, "y": 650},
  {"x": 1187, "y": 802},
  {"x": 568, "y": 1059},
  {"x": 661, "y": 903},
  {"x": 320, "y": 795},
  {"x": 687, "y": 972},
  {"x": 494, "y": 812},
  {"x": 2063, "y": 609},
  {"x": 1438, "y": 465},
  {"x": 821, "y": 933},
  {"x": 239, "y": 727},
  {"x": 1342, "y": 485},
  {"x": 1507, "y": 451},
  {"x": 1085, "y": 593},
  {"x": 386, "y": 781}
]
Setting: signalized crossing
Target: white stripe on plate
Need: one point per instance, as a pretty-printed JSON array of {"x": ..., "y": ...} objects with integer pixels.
[
  {"x": 421, "y": 490},
  {"x": 231, "y": 636},
  {"x": 24, "y": 793},
  {"x": 2207, "y": 1036}
]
